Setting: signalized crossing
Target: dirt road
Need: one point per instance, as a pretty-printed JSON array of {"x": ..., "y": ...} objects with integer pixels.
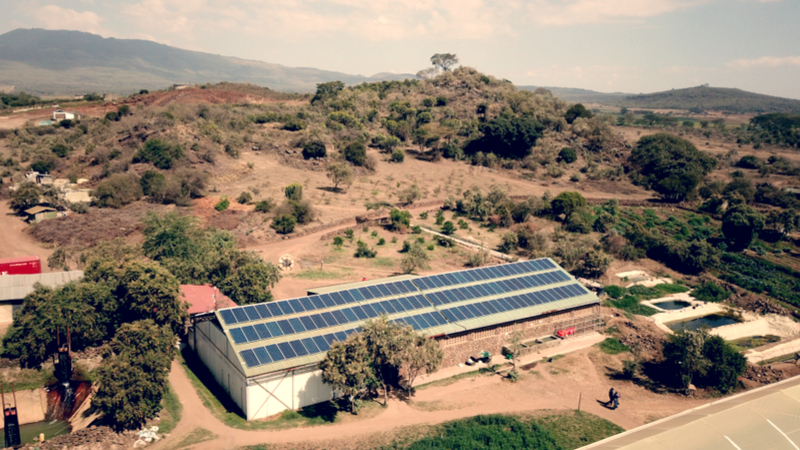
[
  {"x": 551, "y": 386},
  {"x": 13, "y": 240}
]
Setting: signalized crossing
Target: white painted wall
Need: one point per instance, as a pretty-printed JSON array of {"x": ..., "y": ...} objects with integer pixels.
[
  {"x": 270, "y": 394},
  {"x": 214, "y": 350}
]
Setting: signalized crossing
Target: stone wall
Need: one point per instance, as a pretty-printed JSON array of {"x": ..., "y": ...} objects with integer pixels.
[{"x": 459, "y": 347}]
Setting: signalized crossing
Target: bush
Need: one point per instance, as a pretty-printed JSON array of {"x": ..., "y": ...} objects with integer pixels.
[
  {"x": 152, "y": 182},
  {"x": 293, "y": 192},
  {"x": 507, "y": 137},
  {"x": 398, "y": 156},
  {"x": 614, "y": 291},
  {"x": 749, "y": 162},
  {"x": 265, "y": 206},
  {"x": 160, "y": 153},
  {"x": 400, "y": 219},
  {"x": 448, "y": 228},
  {"x": 26, "y": 196},
  {"x": 314, "y": 149},
  {"x": 117, "y": 190},
  {"x": 356, "y": 154},
  {"x": 223, "y": 204},
  {"x": 363, "y": 251},
  {"x": 284, "y": 224},
  {"x": 244, "y": 198},
  {"x": 566, "y": 203},
  {"x": 710, "y": 292},
  {"x": 575, "y": 111},
  {"x": 567, "y": 155},
  {"x": 338, "y": 242},
  {"x": 60, "y": 150},
  {"x": 670, "y": 165}
]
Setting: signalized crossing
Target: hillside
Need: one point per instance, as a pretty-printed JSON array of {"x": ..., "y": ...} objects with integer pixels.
[
  {"x": 711, "y": 99},
  {"x": 46, "y": 62},
  {"x": 577, "y": 95}
]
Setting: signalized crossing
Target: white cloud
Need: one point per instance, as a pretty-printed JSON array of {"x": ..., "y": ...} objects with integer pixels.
[
  {"x": 569, "y": 12},
  {"x": 57, "y": 18},
  {"x": 765, "y": 61}
]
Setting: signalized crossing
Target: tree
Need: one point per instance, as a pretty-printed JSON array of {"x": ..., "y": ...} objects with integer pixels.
[
  {"x": 697, "y": 357},
  {"x": 444, "y": 61},
  {"x": 338, "y": 242},
  {"x": 148, "y": 291},
  {"x": 507, "y": 137},
  {"x": 515, "y": 349},
  {"x": 356, "y": 154},
  {"x": 400, "y": 219},
  {"x": 132, "y": 378},
  {"x": 244, "y": 198},
  {"x": 567, "y": 155},
  {"x": 670, "y": 165},
  {"x": 340, "y": 173},
  {"x": 117, "y": 191},
  {"x": 420, "y": 355},
  {"x": 265, "y": 206},
  {"x": 683, "y": 352},
  {"x": 327, "y": 90},
  {"x": 314, "y": 149},
  {"x": 294, "y": 192},
  {"x": 398, "y": 156},
  {"x": 410, "y": 194},
  {"x": 171, "y": 236},
  {"x": 575, "y": 111},
  {"x": 415, "y": 257},
  {"x": 60, "y": 150},
  {"x": 348, "y": 368},
  {"x": 26, "y": 196},
  {"x": 726, "y": 364},
  {"x": 161, "y": 154},
  {"x": 448, "y": 228},
  {"x": 152, "y": 182},
  {"x": 363, "y": 250},
  {"x": 284, "y": 224},
  {"x": 566, "y": 203},
  {"x": 251, "y": 282},
  {"x": 740, "y": 225}
]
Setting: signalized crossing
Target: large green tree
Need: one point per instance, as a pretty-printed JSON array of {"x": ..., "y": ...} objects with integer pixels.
[
  {"x": 26, "y": 196},
  {"x": 132, "y": 378},
  {"x": 670, "y": 165},
  {"x": 507, "y": 136},
  {"x": 740, "y": 225},
  {"x": 148, "y": 291},
  {"x": 348, "y": 369}
]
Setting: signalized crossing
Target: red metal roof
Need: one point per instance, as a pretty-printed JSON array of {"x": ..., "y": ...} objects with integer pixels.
[
  {"x": 19, "y": 259},
  {"x": 201, "y": 298}
]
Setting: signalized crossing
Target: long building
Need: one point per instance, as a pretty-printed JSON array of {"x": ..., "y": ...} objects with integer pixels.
[{"x": 266, "y": 356}]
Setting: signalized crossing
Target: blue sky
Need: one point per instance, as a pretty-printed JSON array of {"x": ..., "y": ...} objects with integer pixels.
[{"x": 605, "y": 45}]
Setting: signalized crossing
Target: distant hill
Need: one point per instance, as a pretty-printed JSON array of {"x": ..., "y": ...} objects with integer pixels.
[
  {"x": 712, "y": 99},
  {"x": 575, "y": 95},
  {"x": 47, "y": 62}
]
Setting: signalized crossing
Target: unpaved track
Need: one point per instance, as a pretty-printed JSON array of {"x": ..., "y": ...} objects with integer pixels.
[
  {"x": 13, "y": 240},
  {"x": 556, "y": 390}
]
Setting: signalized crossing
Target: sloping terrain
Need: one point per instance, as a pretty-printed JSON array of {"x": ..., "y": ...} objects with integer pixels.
[
  {"x": 577, "y": 95},
  {"x": 70, "y": 62},
  {"x": 712, "y": 99}
]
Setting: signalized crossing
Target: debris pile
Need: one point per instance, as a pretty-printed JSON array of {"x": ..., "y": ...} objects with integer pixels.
[
  {"x": 92, "y": 438},
  {"x": 755, "y": 375}
]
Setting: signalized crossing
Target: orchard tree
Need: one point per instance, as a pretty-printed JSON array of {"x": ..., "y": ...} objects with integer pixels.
[
  {"x": 566, "y": 203},
  {"x": 26, "y": 196},
  {"x": 400, "y": 218},
  {"x": 148, "y": 291},
  {"x": 340, "y": 173},
  {"x": 416, "y": 257}
]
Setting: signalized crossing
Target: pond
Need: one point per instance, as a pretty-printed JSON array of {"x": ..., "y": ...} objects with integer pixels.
[
  {"x": 672, "y": 305},
  {"x": 710, "y": 321},
  {"x": 30, "y": 432}
]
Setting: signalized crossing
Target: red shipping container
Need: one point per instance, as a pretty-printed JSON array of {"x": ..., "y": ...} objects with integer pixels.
[{"x": 26, "y": 265}]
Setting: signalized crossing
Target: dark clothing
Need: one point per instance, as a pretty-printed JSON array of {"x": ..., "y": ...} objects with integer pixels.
[
  {"x": 616, "y": 400},
  {"x": 611, "y": 393}
]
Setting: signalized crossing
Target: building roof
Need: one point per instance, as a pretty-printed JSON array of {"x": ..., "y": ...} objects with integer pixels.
[
  {"x": 204, "y": 298},
  {"x": 16, "y": 287},
  {"x": 38, "y": 209},
  {"x": 767, "y": 418},
  {"x": 290, "y": 333},
  {"x": 357, "y": 284}
]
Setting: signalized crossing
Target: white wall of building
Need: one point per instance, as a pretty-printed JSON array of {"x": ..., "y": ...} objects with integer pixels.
[{"x": 262, "y": 396}]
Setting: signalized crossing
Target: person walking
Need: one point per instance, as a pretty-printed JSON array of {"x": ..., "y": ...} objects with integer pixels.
[
  {"x": 616, "y": 399},
  {"x": 611, "y": 393}
]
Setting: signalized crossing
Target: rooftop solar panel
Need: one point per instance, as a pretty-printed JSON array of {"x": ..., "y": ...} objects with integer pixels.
[
  {"x": 249, "y": 358},
  {"x": 240, "y": 315},
  {"x": 262, "y": 355},
  {"x": 227, "y": 317},
  {"x": 275, "y": 353},
  {"x": 238, "y": 336}
]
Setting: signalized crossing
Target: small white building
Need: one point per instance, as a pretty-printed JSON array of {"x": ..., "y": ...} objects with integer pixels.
[
  {"x": 266, "y": 356},
  {"x": 14, "y": 288},
  {"x": 60, "y": 114}
]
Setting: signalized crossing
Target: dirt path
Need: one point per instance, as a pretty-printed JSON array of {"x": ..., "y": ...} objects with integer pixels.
[
  {"x": 13, "y": 240},
  {"x": 551, "y": 386}
]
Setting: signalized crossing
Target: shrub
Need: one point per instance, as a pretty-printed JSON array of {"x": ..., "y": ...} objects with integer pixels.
[
  {"x": 710, "y": 292},
  {"x": 448, "y": 228},
  {"x": 152, "y": 182},
  {"x": 293, "y": 192},
  {"x": 398, "y": 156},
  {"x": 117, "y": 190},
  {"x": 223, "y": 204},
  {"x": 284, "y": 224},
  {"x": 749, "y": 162},
  {"x": 567, "y": 155},
  {"x": 416, "y": 229},
  {"x": 338, "y": 242},
  {"x": 381, "y": 241},
  {"x": 614, "y": 291},
  {"x": 265, "y": 206},
  {"x": 160, "y": 153},
  {"x": 314, "y": 149},
  {"x": 575, "y": 111},
  {"x": 60, "y": 150},
  {"x": 566, "y": 203},
  {"x": 400, "y": 219},
  {"x": 613, "y": 346},
  {"x": 26, "y": 196},
  {"x": 294, "y": 124},
  {"x": 244, "y": 198},
  {"x": 363, "y": 251},
  {"x": 356, "y": 154}
]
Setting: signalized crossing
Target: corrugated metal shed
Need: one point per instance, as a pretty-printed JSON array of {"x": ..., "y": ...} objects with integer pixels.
[
  {"x": 292, "y": 333},
  {"x": 16, "y": 287}
]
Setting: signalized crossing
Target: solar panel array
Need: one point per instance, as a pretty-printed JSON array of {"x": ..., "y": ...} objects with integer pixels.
[{"x": 507, "y": 287}]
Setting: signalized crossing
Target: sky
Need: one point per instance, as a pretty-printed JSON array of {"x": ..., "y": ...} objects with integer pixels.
[{"x": 634, "y": 46}]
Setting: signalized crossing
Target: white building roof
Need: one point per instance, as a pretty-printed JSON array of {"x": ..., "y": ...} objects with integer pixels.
[{"x": 16, "y": 287}]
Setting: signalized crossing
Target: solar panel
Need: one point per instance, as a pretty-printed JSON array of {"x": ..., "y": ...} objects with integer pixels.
[
  {"x": 263, "y": 311},
  {"x": 297, "y": 325},
  {"x": 286, "y": 308},
  {"x": 274, "y": 309},
  {"x": 322, "y": 344},
  {"x": 298, "y": 348},
  {"x": 250, "y": 334},
  {"x": 262, "y": 331},
  {"x": 251, "y": 312},
  {"x": 249, "y": 358},
  {"x": 310, "y": 345},
  {"x": 262, "y": 355},
  {"x": 315, "y": 300},
  {"x": 350, "y": 315},
  {"x": 339, "y": 316},
  {"x": 275, "y": 353},
  {"x": 285, "y": 327},
  {"x": 238, "y": 336},
  {"x": 227, "y": 317},
  {"x": 287, "y": 350},
  {"x": 308, "y": 323},
  {"x": 240, "y": 315}
]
